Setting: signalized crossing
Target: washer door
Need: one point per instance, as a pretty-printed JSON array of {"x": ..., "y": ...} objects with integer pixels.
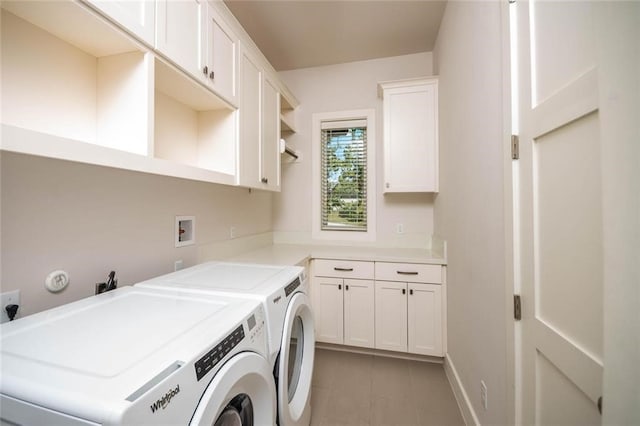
[
  {"x": 241, "y": 391},
  {"x": 295, "y": 367}
]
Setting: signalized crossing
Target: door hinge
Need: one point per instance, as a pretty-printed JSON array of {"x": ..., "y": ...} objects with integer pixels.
[
  {"x": 515, "y": 147},
  {"x": 517, "y": 307}
]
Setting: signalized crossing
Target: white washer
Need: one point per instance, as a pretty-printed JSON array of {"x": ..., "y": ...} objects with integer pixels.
[
  {"x": 136, "y": 356},
  {"x": 283, "y": 290}
]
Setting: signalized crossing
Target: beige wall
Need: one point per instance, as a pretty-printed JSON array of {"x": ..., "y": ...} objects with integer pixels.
[
  {"x": 89, "y": 220},
  {"x": 347, "y": 87},
  {"x": 469, "y": 211}
]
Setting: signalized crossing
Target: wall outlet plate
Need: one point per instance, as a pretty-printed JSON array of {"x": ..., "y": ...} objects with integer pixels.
[{"x": 9, "y": 298}]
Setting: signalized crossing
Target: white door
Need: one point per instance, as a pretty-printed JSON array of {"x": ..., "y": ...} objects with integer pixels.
[
  {"x": 560, "y": 214},
  {"x": 391, "y": 316},
  {"x": 359, "y": 313},
  {"x": 295, "y": 368},
  {"x": 328, "y": 308},
  {"x": 246, "y": 374},
  {"x": 424, "y": 322}
]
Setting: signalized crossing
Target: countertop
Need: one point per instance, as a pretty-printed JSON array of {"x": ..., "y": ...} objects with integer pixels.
[{"x": 295, "y": 254}]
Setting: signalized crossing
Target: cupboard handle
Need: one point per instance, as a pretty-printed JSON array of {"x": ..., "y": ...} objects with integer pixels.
[
  {"x": 212, "y": 75},
  {"x": 410, "y": 292},
  {"x": 264, "y": 180},
  {"x": 339, "y": 286},
  {"x": 404, "y": 291},
  {"x": 346, "y": 287},
  {"x": 406, "y": 273},
  {"x": 205, "y": 70},
  {"x": 343, "y": 269}
]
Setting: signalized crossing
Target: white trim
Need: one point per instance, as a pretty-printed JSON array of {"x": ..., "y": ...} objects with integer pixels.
[
  {"x": 464, "y": 403},
  {"x": 316, "y": 123}
]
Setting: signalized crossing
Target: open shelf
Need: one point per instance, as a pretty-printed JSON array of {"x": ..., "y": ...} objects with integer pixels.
[
  {"x": 66, "y": 73},
  {"x": 192, "y": 126}
]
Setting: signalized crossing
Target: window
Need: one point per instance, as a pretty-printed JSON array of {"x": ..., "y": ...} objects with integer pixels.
[{"x": 343, "y": 175}]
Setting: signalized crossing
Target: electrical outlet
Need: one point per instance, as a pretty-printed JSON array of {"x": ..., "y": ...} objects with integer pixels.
[
  {"x": 483, "y": 394},
  {"x": 9, "y": 298},
  {"x": 399, "y": 228},
  {"x": 177, "y": 265},
  {"x": 232, "y": 232}
]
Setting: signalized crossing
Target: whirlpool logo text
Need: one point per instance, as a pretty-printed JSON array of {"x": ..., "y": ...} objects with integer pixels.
[{"x": 165, "y": 400}]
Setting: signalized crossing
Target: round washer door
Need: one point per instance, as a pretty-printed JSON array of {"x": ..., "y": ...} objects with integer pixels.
[
  {"x": 245, "y": 376},
  {"x": 295, "y": 367}
]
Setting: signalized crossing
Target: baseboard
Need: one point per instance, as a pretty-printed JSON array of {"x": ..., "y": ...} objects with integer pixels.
[
  {"x": 379, "y": 352},
  {"x": 468, "y": 413}
]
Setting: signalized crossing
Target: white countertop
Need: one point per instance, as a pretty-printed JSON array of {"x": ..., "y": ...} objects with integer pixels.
[{"x": 297, "y": 254}]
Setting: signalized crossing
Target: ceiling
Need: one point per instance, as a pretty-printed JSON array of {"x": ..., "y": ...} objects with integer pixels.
[{"x": 307, "y": 33}]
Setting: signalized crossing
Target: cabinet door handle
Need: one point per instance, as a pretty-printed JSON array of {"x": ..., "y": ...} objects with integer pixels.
[
  {"x": 339, "y": 286},
  {"x": 264, "y": 180},
  {"x": 410, "y": 292},
  {"x": 212, "y": 75},
  {"x": 343, "y": 269},
  {"x": 404, "y": 291},
  {"x": 406, "y": 273},
  {"x": 346, "y": 287},
  {"x": 205, "y": 70}
]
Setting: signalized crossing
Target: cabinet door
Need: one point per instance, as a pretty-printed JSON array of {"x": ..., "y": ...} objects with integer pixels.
[
  {"x": 136, "y": 16},
  {"x": 219, "y": 56},
  {"x": 359, "y": 313},
  {"x": 391, "y": 315},
  {"x": 328, "y": 309},
  {"x": 411, "y": 138},
  {"x": 250, "y": 128},
  {"x": 178, "y": 34},
  {"x": 425, "y": 319},
  {"x": 270, "y": 152}
]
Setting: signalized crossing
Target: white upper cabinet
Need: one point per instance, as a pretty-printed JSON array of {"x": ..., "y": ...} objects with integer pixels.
[
  {"x": 259, "y": 126},
  {"x": 410, "y": 109},
  {"x": 178, "y": 33},
  {"x": 219, "y": 57},
  {"x": 136, "y": 16}
]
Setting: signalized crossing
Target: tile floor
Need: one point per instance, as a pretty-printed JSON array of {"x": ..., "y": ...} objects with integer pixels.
[{"x": 356, "y": 389}]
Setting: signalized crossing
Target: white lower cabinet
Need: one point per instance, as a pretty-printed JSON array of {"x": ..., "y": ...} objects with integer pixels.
[
  {"x": 344, "y": 310},
  {"x": 409, "y": 317},
  {"x": 344, "y": 307},
  {"x": 401, "y": 310},
  {"x": 409, "y": 314}
]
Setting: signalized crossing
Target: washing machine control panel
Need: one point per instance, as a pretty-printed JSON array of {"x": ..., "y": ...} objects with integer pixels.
[
  {"x": 292, "y": 286},
  {"x": 215, "y": 355}
]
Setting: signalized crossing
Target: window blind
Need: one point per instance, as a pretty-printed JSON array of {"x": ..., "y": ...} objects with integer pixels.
[{"x": 344, "y": 176}]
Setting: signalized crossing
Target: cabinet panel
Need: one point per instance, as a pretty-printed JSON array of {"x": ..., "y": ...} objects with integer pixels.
[
  {"x": 391, "y": 316},
  {"x": 328, "y": 309},
  {"x": 410, "y": 135},
  {"x": 219, "y": 56},
  {"x": 136, "y": 16},
  {"x": 178, "y": 34},
  {"x": 409, "y": 272},
  {"x": 425, "y": 319},
  {"x": 359, "y": 313},
  {"x": 270, "y": 152},
  {"x": 250, "y": 93},
  {"x": 344, "y": 268}
]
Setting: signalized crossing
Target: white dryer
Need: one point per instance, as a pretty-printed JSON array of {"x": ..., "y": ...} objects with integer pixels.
[
  {"x": 135, "y": 356},
  {"x": 283, "y": 290}
]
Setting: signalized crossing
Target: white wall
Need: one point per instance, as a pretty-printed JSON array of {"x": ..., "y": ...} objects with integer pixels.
[
  {"x": 89, "y": 220},
  {"x": 469, "y": 211},
  {"x": 347, "y": 87}
]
